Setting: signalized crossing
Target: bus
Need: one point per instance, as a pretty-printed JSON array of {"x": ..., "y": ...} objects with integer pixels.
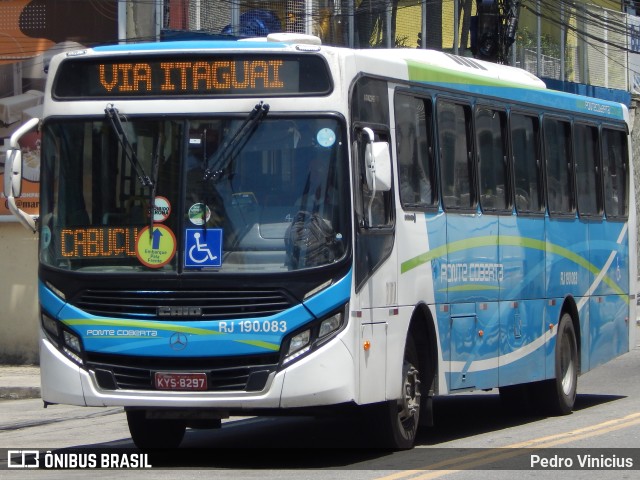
[{"x": 275, "y": 226}]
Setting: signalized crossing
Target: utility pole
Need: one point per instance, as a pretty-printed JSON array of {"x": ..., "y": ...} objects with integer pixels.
[{"x": 496, "y": 27}]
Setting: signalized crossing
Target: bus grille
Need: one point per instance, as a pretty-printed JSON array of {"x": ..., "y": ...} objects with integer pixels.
[
  {"x": 224, "y": 304},
  {"x": 247, "y": 373}
]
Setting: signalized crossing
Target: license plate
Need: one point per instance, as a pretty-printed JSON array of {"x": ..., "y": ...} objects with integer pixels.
[{"x": 180, "y": 381}]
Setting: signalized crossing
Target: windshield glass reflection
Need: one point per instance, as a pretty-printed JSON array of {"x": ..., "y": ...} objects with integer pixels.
[{"x": 278, "y": 202}]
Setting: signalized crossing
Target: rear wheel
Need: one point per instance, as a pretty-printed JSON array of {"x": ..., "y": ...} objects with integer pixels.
[
  {"x": 559, "y": 394},
  {"x": 150, "y": 433}
]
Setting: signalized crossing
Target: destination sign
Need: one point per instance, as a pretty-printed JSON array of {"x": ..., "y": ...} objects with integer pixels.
[
  {"x": 102, "y": 242},
  {"x": 192, "y": 75}
]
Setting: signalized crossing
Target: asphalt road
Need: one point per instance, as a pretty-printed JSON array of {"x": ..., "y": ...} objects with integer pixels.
[{"x": 473, "y": 438}]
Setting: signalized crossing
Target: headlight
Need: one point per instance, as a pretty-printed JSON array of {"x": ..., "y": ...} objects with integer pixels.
[
  {"x": 72, "y": 341},
  {"x": 330, "y": 325},
  {"x": 299, "y": 341},
  {"x": 66, "y": 341},
  {"x": 52, "y": 329},
  {"x": 72, "y": 346},
  {"x": 314, "y": 335},
  {"x": 298, "y": 345}
]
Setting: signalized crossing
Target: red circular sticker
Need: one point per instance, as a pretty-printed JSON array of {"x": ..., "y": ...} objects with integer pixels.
[{"x": 161, "y": 209}]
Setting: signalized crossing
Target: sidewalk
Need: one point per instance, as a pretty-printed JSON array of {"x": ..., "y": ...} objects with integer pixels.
[{"x": 18, "y": 382}]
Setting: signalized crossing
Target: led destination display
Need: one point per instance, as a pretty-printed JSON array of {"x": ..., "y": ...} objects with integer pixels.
[
  {"x": 109, "y": 242},
  {"x": 179, "y": 75}
]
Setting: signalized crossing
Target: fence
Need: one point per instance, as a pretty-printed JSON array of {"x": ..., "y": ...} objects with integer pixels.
[{"x": 571, "y": 41}]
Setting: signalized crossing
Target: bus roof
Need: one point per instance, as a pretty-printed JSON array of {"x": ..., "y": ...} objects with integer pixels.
[
  {"x": 429, "y": 67},
  {"x": 190, "y": 46},
  {"x": 476, "y": 77}
]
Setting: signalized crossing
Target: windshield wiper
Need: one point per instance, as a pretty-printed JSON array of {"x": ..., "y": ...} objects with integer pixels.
[
  {"x": 114, "y": 119},
  {"x": 147, "y": 182},
  {"x": 155, "y": 165},
  {"x": 231, "y": 148}
]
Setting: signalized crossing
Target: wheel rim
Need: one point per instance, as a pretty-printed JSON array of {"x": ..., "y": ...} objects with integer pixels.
[
  {"x": 409, "y": 406},
  {"x": 567, "y": 366}
]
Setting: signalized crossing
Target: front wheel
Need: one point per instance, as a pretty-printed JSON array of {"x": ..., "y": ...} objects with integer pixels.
[
  {"x": 150, "y": 433},
  {"x": 397, "y": 420}
]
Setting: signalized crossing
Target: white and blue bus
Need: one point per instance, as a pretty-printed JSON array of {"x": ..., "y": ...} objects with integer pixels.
[{"x": 276, "y": 226}]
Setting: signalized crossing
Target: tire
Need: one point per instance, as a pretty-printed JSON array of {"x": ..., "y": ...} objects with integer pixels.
[
  {"x": 558, "y": 395},
  {"x": 151, "y": 433},
  {"x": 397, "y": 420}
]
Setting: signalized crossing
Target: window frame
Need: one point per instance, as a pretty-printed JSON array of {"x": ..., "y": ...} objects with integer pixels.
[
  {"x": 611, "y": 128},
  {"x": 539, "y": 167},
  {"x": 597, "y": 214},
  {"x": 430, "y": 154},
  {"x": 506, "y": 146},
  {"x": 467, "y": 106},
  {"x": 570, "y": 174}
]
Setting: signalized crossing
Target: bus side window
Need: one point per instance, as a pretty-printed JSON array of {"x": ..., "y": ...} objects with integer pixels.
[
  {"x": 414, "y": 151},
  {"x": 615, "y": 158},
  {"x": 492, "y": 158},
  {"x": 526, "y": 164},
  {"x": 456, "y": 162},
  {"x": 557, "y": 141},
  {"x": 586, "y": 158}
]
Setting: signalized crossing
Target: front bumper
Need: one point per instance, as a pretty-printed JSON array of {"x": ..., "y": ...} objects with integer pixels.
[{"x": 327, "y": 376}]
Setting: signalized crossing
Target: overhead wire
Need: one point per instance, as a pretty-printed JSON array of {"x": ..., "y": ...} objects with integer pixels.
[
  {"x": 376, "y": 5},
  {"x": 556, "y": 12}
]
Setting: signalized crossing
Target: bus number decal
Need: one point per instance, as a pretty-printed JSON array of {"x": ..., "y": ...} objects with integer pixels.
[
  {"x": 568, "y": 278},
  {"x": 253, "y": 326}
]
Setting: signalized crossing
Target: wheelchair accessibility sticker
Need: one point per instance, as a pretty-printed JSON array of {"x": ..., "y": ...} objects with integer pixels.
[{"x": 203, "y": 248}]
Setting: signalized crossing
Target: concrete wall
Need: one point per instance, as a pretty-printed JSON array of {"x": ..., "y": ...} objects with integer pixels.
[{"x": 18, "y": 295}]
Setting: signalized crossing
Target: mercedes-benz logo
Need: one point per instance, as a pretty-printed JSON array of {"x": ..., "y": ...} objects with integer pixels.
[{"x": 178, "y": 341}]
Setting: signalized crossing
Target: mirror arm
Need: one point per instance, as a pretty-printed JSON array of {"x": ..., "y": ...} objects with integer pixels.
[
  {"x": 370, "y": 134},
  {"x": 25, "y": 219},
  {"x": 17, "y": 135}
]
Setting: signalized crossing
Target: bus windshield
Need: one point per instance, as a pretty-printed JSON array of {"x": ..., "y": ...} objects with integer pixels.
[{"x": 269, "y": 198}]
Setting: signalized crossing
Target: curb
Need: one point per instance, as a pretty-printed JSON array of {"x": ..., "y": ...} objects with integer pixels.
[{"x": 19, "y": 393}]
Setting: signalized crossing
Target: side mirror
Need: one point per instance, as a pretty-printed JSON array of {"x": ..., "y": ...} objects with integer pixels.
[
  {"x": 378, "y": 164},
  {"x": 13, "y": 173}
]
